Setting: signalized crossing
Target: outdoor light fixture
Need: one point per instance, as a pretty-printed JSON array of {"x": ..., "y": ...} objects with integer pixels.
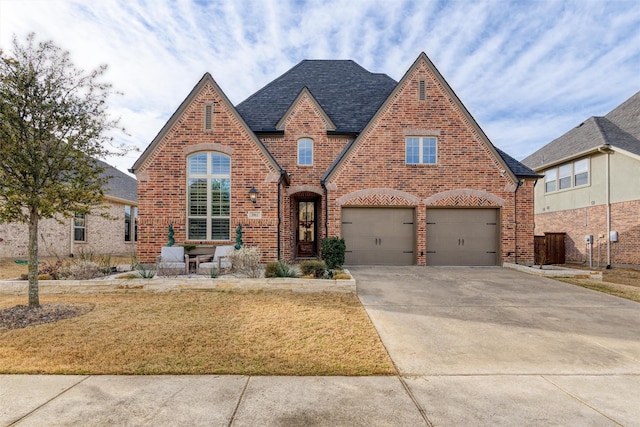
[{"x": 253, "y": 195}]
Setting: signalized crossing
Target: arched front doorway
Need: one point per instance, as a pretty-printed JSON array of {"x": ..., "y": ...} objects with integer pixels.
[{"x": 305, "y": 215}]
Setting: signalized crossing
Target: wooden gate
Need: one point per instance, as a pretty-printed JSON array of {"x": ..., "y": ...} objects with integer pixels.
[{"x": 549, "y": 249}]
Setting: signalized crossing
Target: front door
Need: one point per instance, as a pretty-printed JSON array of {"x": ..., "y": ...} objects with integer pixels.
[{"x": 306, "y": 230}]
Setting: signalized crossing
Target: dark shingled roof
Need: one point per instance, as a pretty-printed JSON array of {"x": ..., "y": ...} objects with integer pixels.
[
  {"x": 620, "y": 128},
  {"x": 348, "y": 94},
  {"x": 120, "y": 185},
  {"x": 518, "y": 169}
]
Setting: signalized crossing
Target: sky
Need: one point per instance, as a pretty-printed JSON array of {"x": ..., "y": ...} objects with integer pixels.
[{"x": 528, "y": 71}]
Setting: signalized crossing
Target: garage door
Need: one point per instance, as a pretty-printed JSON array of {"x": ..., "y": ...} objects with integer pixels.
[
  {"x": 462, "y": 236},
  {"x": 379, "y": 236}
]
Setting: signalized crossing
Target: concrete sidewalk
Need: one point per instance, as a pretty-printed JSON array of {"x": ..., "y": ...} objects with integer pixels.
[{"x": 57, "y": 400}]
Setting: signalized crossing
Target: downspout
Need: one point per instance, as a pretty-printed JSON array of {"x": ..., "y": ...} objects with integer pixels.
[
  {"x": 282, "y": 173},
  {"x": 326, "y": 208},
  {"x": 606, "y": 149},
  {"x": 515, "y": 217}
]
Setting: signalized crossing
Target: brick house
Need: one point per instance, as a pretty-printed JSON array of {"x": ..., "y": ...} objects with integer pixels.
[
  {"x": 399, "y": 169},
  {"x": 592, "y": 188},
  {"x": 89, "y": 234}
]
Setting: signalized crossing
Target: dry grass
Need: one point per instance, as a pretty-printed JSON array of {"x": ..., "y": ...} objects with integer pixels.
[
  {"x": 275, "y": 333},
  {"x": 619, "y": 275},
  {"x": 617, "y": 281},
  {"x": 623, "y": 291}
]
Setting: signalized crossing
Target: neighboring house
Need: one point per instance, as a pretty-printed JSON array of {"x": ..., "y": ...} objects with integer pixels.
[
  {"x": 591, "y": 187},
  {"x": 89, "y": 234},
  {"x": 400, "y": 170}
]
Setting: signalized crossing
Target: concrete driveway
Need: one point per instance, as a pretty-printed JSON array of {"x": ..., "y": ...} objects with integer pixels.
[{"x": 492, "y": 346}]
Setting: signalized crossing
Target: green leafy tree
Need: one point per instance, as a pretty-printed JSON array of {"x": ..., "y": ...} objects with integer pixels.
[{"x": 53, "y": 127}]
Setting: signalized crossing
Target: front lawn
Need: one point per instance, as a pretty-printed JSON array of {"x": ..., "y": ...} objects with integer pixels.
[{"x": 189, "y": 332}]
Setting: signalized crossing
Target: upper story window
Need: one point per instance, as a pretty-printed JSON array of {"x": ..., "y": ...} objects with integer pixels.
[
  {"x": 80, "y": 227},
  {"x": 421, "y": 150},
  {"x": 130, "y": 223},
  {"x": 568, "y": 175},
  {"x": 305, "y": 152},
  {"x": 208, "y": 196},
  {"x": 550, "y": 180}
]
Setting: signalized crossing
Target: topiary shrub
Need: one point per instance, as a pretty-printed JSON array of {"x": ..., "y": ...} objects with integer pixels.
[
  {"x": 315, "y": 268},
  {"x": 333, "y": 249}
]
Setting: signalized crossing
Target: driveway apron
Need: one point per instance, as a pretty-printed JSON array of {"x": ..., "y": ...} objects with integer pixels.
[{"x": 492, "y": 346}]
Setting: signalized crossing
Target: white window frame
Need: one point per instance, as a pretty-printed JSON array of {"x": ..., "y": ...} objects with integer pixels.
[
  {"x": 421, "y": 148},
  {"x": 209, "y": 175},
  {"x": 302, "y": 141},
  {"x": 553, "y": 178},
  {"x": 80, "y": 225}
]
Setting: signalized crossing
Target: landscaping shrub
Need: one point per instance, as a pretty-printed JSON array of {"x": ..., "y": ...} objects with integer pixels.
[
  {"x": 315, "y": 268},
  {"x": 246, "y": 260},
  {"x": 333, "y": 249},
  {"x": 83, "y": 270},
  {"x": 279, "y": 269},
  {"x": 53, "y": 270},
  {"x": 146, "y": 271}
]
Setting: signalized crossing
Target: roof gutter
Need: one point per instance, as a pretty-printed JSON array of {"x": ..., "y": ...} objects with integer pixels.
[{"x": 573, "y": 156}]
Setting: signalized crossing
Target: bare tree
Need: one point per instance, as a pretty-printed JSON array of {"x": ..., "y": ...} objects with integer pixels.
[{"x": 53, "y": 128}]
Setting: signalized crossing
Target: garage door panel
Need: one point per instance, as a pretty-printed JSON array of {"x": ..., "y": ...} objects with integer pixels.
[
  {"x": 379, "y": 236},
  {"x": 462, "y": 237}
]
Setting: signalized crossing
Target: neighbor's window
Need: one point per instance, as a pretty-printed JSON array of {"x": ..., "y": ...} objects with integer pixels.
[
  {"x": 305, "y": 152},
  {"x": 208, "y": 196},
  {"x": 421, "y": 150},
  {"x": 79, "y": 227},
  {"x": 581, "y": 172},
  {"x": 550, "y": 180},
  {"x": 567, "y": 176},
  {"x": 564, "y": 176},
  {"x": 130, "y": 223}
]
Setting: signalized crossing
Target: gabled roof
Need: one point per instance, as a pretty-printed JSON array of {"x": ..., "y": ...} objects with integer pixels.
[
  {"x": 120, "y": 186},
  {"x": 346, "y": 92},
  {"x": 206, "y": 79},
  {"x": 305, "y": 92},
  {"x": 620, "y": 129},
  {"x": 512, "y": 166}
]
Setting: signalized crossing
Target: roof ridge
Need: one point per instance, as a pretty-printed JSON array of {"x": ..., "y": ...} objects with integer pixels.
[{"x": 597, "y": 119}]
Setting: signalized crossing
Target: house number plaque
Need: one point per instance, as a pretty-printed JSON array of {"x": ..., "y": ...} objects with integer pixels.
[{"x": 254, "y": 215}]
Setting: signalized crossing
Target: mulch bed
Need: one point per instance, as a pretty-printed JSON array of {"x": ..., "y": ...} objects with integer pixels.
[{"x": 22, "y": 316}]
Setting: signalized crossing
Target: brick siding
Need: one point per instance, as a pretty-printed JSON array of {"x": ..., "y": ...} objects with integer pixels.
[
  {"x": 375, "y": 172},
  {"x": 103, "y": 236},
  {"x": 625, "y": 219}
]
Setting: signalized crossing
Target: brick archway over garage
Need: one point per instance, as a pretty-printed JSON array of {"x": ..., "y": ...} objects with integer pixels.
[
  {"x": 378, "y": 197},
  {"x": 464, "y": 197}
]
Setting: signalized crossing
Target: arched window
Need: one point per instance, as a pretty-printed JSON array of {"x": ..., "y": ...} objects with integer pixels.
[
  {"x": 208, "y": 196},
  {"x": 305, "y": 152}
]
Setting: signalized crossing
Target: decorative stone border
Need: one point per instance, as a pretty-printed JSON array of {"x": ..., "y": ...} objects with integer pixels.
[
  {"x": 556, "y": 271},
  {"x": 173, "y": 284}
]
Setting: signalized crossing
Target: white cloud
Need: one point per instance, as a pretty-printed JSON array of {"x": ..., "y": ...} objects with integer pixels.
[{"x": 527, "y": 71}]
